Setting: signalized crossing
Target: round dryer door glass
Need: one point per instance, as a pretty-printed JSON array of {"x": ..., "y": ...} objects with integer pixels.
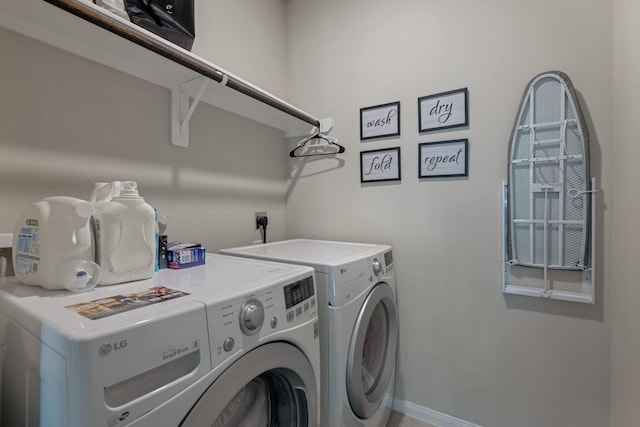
[{"x": 372, "y": 352}]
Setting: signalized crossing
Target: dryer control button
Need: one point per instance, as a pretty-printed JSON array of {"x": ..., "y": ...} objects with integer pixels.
[
  {"x": 274, "y": 322},
  {"x": 228, "y": 344}
]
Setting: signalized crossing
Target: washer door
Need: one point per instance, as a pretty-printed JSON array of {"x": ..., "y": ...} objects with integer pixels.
[
  {"x": 372, "y": 352},
  {"x": 273, "y": 385}
]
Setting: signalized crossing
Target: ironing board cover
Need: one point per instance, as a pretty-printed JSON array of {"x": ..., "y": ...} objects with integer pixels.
[{"x": 549, "y": 177}]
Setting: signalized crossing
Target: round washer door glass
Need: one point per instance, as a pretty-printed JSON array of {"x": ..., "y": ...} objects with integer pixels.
[
  {"x": 372, "y": 351},
  {"x": 273, "y": 385}
]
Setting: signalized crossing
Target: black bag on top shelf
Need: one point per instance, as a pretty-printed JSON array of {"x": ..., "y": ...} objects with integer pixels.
[{"x": 169, "y": 19}]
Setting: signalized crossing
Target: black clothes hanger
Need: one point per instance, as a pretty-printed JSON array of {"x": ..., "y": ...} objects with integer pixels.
[{"x": 329, "y": 141}]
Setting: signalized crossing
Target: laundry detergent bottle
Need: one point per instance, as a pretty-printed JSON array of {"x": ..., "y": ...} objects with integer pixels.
[
  {"x": 125, "y": 226},
  {"x": 53, "y": 245},
  {"x": 102, "y": 194}
]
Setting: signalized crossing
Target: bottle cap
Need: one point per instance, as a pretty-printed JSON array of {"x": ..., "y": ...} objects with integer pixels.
[
  {"x": 79, "y": 275},
  {"x": 129, "y": 190}
]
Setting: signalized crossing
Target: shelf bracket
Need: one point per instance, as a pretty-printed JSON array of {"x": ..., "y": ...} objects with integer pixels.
[{"x": 182, "y": 109}]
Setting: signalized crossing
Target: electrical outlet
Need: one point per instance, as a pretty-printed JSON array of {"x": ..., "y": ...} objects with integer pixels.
[{"x": 258, "y": 215}]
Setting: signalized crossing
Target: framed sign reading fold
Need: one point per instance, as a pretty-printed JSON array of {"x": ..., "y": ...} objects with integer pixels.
[{"x": 380, "y": 165}]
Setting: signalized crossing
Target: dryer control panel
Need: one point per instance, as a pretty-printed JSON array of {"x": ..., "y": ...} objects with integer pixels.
[{"x": 351, "y": 279}]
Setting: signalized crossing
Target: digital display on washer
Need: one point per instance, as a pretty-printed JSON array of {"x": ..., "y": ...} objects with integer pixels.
[
  {"x": 388, "y": 258},
  {"x": 299, "y": 291}
]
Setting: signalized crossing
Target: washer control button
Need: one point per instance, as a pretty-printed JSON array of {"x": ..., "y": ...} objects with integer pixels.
[
  {"x": 274, "y": 322},
  {"x": 228, "y": 344},
  {"x": 251, "y": 317},
  {"x": 377, "y": 267}
]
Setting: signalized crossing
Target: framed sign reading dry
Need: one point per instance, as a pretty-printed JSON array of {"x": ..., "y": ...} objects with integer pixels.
[{"x": 443, "y": 110}]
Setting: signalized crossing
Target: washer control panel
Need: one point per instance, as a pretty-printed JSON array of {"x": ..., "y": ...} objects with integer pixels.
[
  {"x": 298, "y": 297},
  {"x": 238, "y": 324}
]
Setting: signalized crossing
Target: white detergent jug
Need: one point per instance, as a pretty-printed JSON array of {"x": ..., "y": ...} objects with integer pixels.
[
  {"x": 102, "y": 194},
  {"x": 53, "y": 245},
  {"x": 125, "y": 235}
]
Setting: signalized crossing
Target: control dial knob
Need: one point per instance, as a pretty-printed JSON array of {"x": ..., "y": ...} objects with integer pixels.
[
  {"x": 377, "y": 267},
  {"x": 251, "y": 317}
]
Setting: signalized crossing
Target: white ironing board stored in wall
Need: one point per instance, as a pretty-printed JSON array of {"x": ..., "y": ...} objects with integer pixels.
[{"x": 548, "y": 215}]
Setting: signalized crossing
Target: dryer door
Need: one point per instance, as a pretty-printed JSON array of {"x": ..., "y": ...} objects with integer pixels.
[
  {"x": 271, "y": 385},
  {"x": 372, "y": 351}
]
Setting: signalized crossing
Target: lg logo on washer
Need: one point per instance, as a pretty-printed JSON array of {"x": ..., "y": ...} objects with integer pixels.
[{"x": 107, "y": 348}]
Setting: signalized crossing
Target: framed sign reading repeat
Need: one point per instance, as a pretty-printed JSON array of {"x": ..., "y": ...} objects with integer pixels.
[
  {"x": 380, "y": 165},
  {"x": 445, "y": 158},
  {"x": 380, "y": 121},
  {"x": 443, "y": 110}
]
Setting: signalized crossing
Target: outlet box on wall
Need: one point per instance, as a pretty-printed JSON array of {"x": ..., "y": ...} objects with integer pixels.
[{"x": 258, "y": 215}]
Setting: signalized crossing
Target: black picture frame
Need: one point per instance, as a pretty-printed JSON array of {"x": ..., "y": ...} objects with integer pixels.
[
  {"x": 443, "y": 158},
  {"x": 445, "y": 110},
  {"x": 380, "y": 121},
  {"x": 380, "y": 165}
]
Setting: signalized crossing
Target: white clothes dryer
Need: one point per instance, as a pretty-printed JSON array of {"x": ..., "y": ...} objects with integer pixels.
[
  {"x": 229, "y": 343},
  {"x": 358, "y": 324}
]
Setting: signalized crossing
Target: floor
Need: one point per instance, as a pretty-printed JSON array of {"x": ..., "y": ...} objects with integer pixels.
[{"x": 398, "y": 419}]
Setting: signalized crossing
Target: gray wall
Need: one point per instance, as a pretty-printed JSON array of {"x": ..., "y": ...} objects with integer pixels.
[
  {"x": 625, "y": 378},
  {"x": 246, "y": 37},
  {"x": 466, "y": 349},
  {"x": 66, "y": 122}
]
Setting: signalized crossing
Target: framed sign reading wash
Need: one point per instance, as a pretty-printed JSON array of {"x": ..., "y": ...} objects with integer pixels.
[{"x": 380, "y": 121}]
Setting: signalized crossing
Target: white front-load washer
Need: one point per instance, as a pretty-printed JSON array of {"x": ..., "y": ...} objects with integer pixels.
[
  {"x": 358, "y": 324},
  {"x": 229, "y": 343}
]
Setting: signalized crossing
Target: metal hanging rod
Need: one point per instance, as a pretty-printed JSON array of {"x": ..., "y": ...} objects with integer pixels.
[{"x": 180, "y": 56}]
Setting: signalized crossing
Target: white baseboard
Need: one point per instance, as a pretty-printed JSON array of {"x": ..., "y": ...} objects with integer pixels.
[{"x": 429, "y": 415}]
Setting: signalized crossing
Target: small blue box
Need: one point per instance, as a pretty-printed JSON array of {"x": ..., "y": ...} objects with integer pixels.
[{"x": 185, "y": 254}]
